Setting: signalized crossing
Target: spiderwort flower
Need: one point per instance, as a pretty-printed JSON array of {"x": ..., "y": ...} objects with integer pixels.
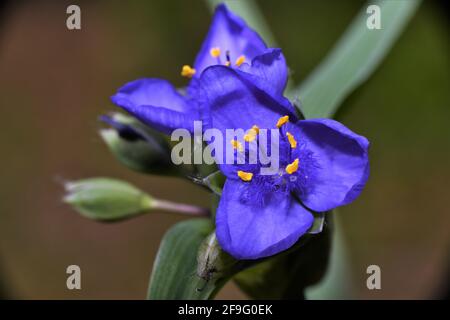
[
  {"x": 322, "y": 165},
  {"x": 157, "y": 103}
]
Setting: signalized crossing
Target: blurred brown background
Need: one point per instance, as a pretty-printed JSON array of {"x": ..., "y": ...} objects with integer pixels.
[{"x": 55, "y": 82}]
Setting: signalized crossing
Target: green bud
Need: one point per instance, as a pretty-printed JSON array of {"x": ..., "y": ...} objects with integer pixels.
[
  {"x": 137, "y": 146},
  {"x": 106, "y": 199}
]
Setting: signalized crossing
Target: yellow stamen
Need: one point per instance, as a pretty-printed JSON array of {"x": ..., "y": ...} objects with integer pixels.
[
  {"x": 187, "y": 71},
  {"x": 245, "y": 176},
  {"x": 228, "y": 63},
  {"x": 251, "y": 134},
  {"x": 240, "y": 61},
  {"x": 215, "y": 52},
  {"x": 292, "y": 167},
  {"x": 292, "y": 140},
  {"x": 256, "y": 128},
  {"x": 236, "y": 145},
  {"x": 249, "y": 137},
  {"x": 282, "y": 121}
]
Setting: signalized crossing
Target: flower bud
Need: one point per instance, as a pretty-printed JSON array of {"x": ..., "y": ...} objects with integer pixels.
[
  {"x": 137, "y": 146},
  {"x": 106, "y": 199}
]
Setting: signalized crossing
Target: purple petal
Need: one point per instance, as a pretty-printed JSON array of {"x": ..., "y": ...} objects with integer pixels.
[
  {"x": 249, "y": 230},
  {"x": 229, "y": 33},
  {"x": 270, "y": 71},
  {"x": 156, "y": 103},
  {"x": 341, "y": 164},
  {"x": 231, "y": 100}
]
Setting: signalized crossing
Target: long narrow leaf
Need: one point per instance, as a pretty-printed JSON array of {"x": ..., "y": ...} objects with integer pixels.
[
  {"x": 353, "y": 59},
  {"x": 174, "y": 274}
]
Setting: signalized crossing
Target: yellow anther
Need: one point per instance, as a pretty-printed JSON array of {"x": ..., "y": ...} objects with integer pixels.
[
  {"x": 240, "y": 61},
  {"x": 291, "y": 140},
  {"x": 215, "y": 52},
  {"x": 256, "y": 128},
  {"x": 282, "y": 121},
  {"x": 236, "y": 145},
  {"x": 187, "y": 71},
  {"x": 228, "y": 63},
  {"x": 245, "y": 176},
  {"x": 251, "y": 134},
  {"x": 249, "y": 137},
  {"x": 292, "y": 167}
]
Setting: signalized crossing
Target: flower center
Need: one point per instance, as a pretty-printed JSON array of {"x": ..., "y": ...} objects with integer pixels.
[
  {"x": 215, "y": 52},
  {"x": 253, "y": 134}
]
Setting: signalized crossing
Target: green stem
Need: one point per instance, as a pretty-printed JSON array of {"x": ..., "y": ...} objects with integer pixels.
[{"x": 181, "y": 208}]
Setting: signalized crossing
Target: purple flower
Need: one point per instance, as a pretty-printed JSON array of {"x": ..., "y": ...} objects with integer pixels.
[
  {"x": 322, "y": 164},
  {"x": 237, "y": 82},
  {"x": 229, "y": 42}
]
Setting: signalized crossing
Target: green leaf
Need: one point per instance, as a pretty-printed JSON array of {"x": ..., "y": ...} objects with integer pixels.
[
  {"x": 174, "y": 274},
  {"x": 106, "y": 199},
  {"x": 353, "y": 59}
]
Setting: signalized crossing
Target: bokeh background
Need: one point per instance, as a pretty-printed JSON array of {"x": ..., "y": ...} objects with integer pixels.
[{"x": 54, "y": 83}]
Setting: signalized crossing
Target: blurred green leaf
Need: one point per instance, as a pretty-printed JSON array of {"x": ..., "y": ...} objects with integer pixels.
[
  {"x": 174, "y": 274},
  {"x": 106, "y": 199},
  {"x": 353, "y": 59}
]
